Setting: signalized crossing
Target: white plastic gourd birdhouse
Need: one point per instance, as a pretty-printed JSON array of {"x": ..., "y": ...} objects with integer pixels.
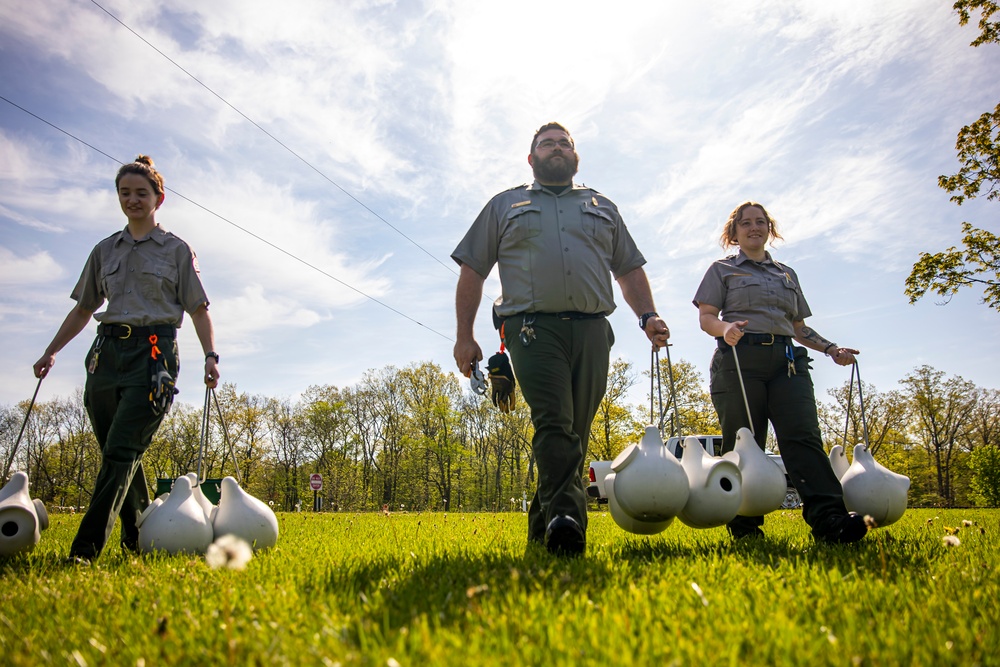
[
  {"x": 716, "y": 488},
  {"x": 763, "y": 483},
  {"x": 244, "y": 516},
  {"x": 838, "y": 459},
  {"x": 650, "y": 484},
  {"x": 176, "y": 525},
  {"x": 21, "y": 518},
  {"x": 626, "y": 522},
  {"x": 872, "y": 489},
  {"x": 150, "y": 508},
  {"x": 204, "y": 502}
]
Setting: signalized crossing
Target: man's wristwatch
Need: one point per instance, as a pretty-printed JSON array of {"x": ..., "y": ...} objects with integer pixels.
[
  {"x": 645, "y": 318},
  {"x": 212, "y": 355}
]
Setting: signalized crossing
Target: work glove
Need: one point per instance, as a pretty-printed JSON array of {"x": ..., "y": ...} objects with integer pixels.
[
  {"x": 162, "y": 388},
  {"x": 501, "y": 382}
]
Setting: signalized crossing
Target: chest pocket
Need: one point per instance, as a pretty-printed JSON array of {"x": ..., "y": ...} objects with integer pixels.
[
  {"x": 742, "y": 292},
  {"x": 788, "y": 300},
  {"x": 159, "y": 281},
  {"x": 599, "y": 224},
  {"x": 523, "y": 223},
  {"x": 111, "y": 279}
]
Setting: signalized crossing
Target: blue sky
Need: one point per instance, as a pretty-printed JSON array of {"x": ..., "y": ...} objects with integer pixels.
[{"x": 405, "y": 117}]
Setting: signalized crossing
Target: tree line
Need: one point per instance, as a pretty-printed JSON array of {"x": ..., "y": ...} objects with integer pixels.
[{"x": 417, "y": 438}]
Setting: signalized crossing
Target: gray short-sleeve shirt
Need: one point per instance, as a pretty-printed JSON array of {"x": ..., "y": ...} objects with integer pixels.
[
  {"x": 766, "y": 294},
  {"x": 151, "y": 281},
  {"x": 555, "y": 252}
]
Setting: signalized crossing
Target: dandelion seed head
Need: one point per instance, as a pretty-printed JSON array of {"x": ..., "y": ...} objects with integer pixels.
[
  {"x": 966, "y": 523},
  {"x": 228, "y": 551},
  {"x": 951, "y": 540}
]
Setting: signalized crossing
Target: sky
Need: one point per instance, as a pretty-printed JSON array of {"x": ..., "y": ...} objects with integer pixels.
[{"x": 323, "y": 159}]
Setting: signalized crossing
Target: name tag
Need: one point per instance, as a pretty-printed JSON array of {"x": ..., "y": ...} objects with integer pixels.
[{"x": 521, "y": 203}]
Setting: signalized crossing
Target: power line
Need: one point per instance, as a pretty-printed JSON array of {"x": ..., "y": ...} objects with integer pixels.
[
  {"x": 274, "y": 138},
  {"x": 233, "y": 224}
]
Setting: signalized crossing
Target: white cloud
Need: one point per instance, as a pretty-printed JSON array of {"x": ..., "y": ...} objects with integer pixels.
[
  {"x": 838, "y": 116},
  {"x": 37, "y": 268}
]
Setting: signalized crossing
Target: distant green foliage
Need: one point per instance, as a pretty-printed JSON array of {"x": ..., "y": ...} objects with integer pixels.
[{"x": 985, "y": 482}]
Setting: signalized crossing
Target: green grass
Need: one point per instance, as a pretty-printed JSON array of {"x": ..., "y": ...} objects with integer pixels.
[{"x": 463, "y": 589}]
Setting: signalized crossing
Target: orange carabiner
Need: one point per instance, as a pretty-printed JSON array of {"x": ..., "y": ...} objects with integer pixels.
[{"x": 155, "y": 351}]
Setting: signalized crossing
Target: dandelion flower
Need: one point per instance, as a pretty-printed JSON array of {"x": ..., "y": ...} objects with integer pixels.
[
  {"x": 228, "y": 551},
  {"x": 951, "y": 540}
]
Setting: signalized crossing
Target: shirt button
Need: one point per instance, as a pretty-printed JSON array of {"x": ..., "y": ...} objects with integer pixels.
[
  {"x": 128, "y": 291},
  {"x": 125, "y": 312},
  {"x": 566, "y": 249},
  {"x": 131, "y": 269}
]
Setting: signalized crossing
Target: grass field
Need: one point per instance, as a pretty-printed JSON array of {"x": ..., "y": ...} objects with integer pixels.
[{"x": 463, "y": 589}]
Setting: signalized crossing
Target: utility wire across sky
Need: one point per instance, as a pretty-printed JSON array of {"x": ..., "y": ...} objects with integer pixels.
[{"x": 233, "y": 224}]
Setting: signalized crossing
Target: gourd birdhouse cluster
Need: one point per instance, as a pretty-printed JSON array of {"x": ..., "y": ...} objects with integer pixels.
[{"x": 184, "y": 520}]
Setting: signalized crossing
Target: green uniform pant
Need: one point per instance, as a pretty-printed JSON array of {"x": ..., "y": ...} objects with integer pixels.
[
  {"x": 117, "y": 400},
  {"x": 789, "y": 403},
  {"x": 563, "y": 374}
]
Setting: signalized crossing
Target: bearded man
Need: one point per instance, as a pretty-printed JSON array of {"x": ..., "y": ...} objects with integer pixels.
[{"x": 557, "y": 245}]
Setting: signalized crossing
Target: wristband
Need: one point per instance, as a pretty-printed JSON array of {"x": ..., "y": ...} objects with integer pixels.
[
  {"x": 645, "y": 317},
  {"x": 212, "y": 355},
  {"x": 827, "y": 348}
]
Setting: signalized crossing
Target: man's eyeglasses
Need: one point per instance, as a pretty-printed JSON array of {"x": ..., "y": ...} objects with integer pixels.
[{"x": 549, "y": 144}]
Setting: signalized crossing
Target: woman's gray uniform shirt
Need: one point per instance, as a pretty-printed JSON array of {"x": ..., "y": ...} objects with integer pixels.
[
  {"x": 151, "y": 281},
  {"x": 766, "y": 294},
  {"x": 555, "y": 253}
]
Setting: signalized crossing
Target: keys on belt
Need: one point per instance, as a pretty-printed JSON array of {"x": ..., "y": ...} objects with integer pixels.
[{"x": 527, "y": 333}]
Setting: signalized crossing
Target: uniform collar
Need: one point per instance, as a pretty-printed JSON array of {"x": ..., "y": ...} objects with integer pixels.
[
  {"x": 158, "y": 234},
  {"x": 538, "y": 186},
  {"x": 741, "y": 258}
]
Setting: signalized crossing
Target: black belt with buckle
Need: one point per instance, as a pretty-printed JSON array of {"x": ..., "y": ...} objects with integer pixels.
[
  {"x": 124, "y": 331},
  {"x": 574, "y": 315},
  {"x": 757, "y": 339}
]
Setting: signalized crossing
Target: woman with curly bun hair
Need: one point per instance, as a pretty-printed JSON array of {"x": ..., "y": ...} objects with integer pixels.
[
  {"x": 762, "y": 310},
  {"x": 148, "y": 278}
]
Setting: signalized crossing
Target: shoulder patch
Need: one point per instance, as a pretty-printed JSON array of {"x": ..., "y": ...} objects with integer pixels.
[
  {"x": 194, "y": 263},
  {"x": 517, "y": 187}
]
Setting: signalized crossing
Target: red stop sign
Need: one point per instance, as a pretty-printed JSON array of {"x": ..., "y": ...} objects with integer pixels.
[{"x": 316, "y": 481}]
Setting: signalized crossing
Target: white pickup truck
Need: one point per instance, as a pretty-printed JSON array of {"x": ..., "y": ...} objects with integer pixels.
[{"x": 599, "y": 470}]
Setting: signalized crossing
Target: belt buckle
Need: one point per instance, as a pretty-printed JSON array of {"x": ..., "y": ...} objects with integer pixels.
[
  {"x": 127, "y": 335},
  {"x": 770, "y": 342}
]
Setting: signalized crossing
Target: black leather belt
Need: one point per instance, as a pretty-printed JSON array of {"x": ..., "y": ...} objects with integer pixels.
[
  {"x": 574, "y": 315},
  {"x": 124, "y": 331},
  {"x": 758, "y": 339}
]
